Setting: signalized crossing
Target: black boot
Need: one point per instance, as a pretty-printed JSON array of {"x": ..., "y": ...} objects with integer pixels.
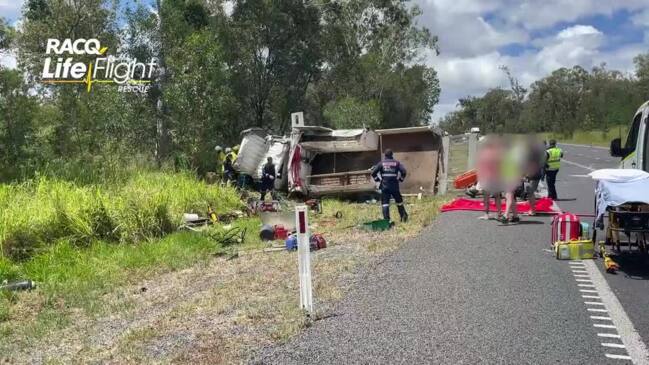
[
  {"x": 386, "y": 212},
  {"x": 402, "y": 213}
]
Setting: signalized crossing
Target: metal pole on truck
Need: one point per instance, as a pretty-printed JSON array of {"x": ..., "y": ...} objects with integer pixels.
[{"x": 304, "y": 258}]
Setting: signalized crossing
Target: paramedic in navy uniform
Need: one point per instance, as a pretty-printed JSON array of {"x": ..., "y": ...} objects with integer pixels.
[{"x": 390, "y": 172}]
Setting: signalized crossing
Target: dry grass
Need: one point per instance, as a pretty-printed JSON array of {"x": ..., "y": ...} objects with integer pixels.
[{"x": 219, "y": 310}]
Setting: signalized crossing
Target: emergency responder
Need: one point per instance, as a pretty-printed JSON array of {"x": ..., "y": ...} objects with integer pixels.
[
  {"x": 228, "y": 165},
  {"x": 553, "y": 156},
  {"x": 268, "y": 176},
  {"x": 389, "y": 172},
  {"x": 220, "y": 159}
]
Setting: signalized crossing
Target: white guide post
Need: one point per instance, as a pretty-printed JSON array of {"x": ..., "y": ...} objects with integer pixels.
[
  {"x": 304, "y": 258},
  {"x": 473, "y": 150}
]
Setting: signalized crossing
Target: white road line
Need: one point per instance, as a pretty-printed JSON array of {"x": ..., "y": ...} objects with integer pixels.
[
  {"x": 586, "y": 285},
  {"x": 603, "y": 325},
  {"x": 584, "y": 280},
  {"x": 601, "y": 318},
  {"x": 591, "y": 297},
  {"x": 578, "y": 165},
  {"x": 596, "y": 310},
  {"x": 636, "y": 348},
  {"x": 587, "y": 291},
  {"x": 610, "y": 344},
  {"x": 593, "y": 303},
  {"x": 618, "y": 357},
  {"x": 581, "y": 275},
  {"x": 608, "y": 335}
]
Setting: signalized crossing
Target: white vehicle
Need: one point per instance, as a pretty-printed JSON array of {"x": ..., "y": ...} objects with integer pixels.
[{"x": 635, "y": 152}]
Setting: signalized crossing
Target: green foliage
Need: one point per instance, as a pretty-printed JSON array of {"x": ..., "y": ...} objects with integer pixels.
[
  {"x": 219, "y": 74},
  {"x": 642, "y": 73},
  {"x": 78, "y": 277},
  {"x": 566, "y": 101},
  {"x": 350, "y": 113},
  {"x": 37, "y": 213}
]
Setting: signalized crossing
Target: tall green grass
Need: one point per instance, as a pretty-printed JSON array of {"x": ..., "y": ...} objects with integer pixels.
[
  {"x": 591, "y": 138},
  {"x": 37, "y": 213}
]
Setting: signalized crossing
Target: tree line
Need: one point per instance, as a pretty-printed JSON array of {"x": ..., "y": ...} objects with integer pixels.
[
  {"x": 224, "y": 66},
  {"x": 567, "y": 100}
]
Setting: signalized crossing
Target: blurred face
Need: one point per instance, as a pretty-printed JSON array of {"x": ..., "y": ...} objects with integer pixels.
[{"x": 270, "y": 160}]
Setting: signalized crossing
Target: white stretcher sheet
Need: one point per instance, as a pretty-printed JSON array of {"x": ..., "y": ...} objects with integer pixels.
[
  {"x": 613, "y": 193},
  {"x": 619, "y": 175}
]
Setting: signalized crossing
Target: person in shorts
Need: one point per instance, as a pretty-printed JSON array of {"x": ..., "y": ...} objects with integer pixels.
[{"x": 490, "y": 154}]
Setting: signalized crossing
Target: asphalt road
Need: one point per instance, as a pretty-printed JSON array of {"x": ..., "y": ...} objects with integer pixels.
[{"x": 468, "y": 291}]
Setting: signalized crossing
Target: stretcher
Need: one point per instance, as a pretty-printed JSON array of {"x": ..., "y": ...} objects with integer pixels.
[{"x": 621, "y": 211}]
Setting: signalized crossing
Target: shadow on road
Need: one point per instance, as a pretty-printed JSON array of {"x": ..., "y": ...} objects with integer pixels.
[
  {"x": 522, "y": 222},
  {"x": 634, "y": 265}
]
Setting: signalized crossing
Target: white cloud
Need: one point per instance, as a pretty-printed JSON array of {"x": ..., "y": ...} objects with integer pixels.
[
  {"x": 462, "y": 29},
  {"x": 8, "y": 60},
  {"x": 534, "y": 14},
  {"x": 228, "y": 7},
  {"x": 575, "y": 45},
  {"x": 473, "y": 33},
  {"x": 641, "y": 18},
  {"x": 578, "y": 31}
]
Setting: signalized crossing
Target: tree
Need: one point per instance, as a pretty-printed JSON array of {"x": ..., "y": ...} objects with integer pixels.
[
  {"x": 350, "y": 113},
  {"x": 274, "y": 53},
  {"x": 642, "y": 73},
  {"x": 371, "y": 49}
]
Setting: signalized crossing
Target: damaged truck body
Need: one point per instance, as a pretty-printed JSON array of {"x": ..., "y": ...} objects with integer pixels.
[{"x": 318, "y": 161}]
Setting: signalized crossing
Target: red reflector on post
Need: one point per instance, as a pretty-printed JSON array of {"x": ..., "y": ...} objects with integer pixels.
[{"x": 302, "y": 222}]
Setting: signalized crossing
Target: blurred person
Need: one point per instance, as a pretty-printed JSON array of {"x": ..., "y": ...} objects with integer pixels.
[
  {"x": 268, "y": 176},
  {"x": 389, "y": 173},
  {"x": 553, "y": 157},
  {"x": 490, "y": 154},
  {"x": 512, "y": 175},
  {"x": 534, "y": 167}
]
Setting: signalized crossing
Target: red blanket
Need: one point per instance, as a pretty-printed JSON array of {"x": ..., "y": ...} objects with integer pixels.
[{"x": 543, "y": 205}]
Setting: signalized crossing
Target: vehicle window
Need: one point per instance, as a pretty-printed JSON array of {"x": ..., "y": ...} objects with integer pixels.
[{"x": 632, "y": 138}]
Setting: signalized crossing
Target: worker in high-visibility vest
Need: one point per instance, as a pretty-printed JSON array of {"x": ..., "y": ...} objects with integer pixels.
[
  {"x": 229, "y": 174},
  {"x": 220, "y": 159},
  {"x": 553, "y": 158}
]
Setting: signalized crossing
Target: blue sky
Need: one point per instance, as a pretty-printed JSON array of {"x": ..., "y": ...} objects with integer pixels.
[{"x": 531, "y": 37}]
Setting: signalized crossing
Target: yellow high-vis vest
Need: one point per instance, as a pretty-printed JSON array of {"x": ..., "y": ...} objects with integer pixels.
[{"x": 554, "y": 158}]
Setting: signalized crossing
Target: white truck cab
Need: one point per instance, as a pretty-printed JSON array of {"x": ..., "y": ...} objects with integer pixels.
[{"x": 635, "y": 152}]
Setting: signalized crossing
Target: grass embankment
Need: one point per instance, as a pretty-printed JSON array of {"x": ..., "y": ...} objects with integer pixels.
[
  {"x": 79, "y": 241},
  {"x": 590, "y": 138},
  {"x": 144, "y": 296}
]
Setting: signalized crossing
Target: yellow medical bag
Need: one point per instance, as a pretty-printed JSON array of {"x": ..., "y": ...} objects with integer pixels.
[{"x": 574, "y": 250}]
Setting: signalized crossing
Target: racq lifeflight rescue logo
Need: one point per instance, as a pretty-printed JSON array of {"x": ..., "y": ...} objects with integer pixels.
[{"x": 60, "y": 66}]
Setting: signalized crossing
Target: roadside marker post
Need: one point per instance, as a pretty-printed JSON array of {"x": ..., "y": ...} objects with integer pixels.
[{"x": 304, "y": 258}]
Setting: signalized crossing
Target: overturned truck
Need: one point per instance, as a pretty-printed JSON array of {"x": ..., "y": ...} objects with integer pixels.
[{"x": 318, "y": 161}]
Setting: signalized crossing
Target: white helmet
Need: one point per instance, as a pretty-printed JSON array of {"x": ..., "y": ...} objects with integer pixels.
[
  {"x": 228, "y": 150},
  {"x": 218, "y": 148}
]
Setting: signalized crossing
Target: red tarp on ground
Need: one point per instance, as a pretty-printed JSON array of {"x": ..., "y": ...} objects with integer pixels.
[{"x": 543, "y": 205}]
